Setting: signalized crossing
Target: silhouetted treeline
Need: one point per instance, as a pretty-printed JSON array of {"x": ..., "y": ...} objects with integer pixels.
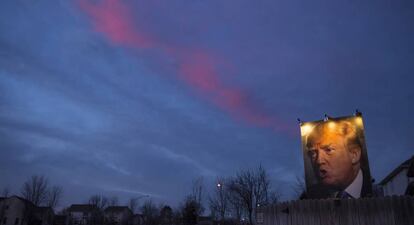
[{"x": 233, "y": 200}]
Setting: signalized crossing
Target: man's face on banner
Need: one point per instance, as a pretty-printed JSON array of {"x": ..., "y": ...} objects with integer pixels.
[{"x": 332, "y": 160}]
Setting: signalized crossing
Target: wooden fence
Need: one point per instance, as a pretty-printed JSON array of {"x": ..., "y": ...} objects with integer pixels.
[{"x": 395, "y": 210}]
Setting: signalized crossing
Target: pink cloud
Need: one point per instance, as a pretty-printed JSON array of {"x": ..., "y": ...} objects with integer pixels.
[
  {"x": 113, "y": 19},
  {"x": 196, "y": 67}
]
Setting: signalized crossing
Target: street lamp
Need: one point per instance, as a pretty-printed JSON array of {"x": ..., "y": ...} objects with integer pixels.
[{"x": 221, "y": 202}]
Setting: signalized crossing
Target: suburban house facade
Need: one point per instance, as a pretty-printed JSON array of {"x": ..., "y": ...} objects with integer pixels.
[
  {"x": 137, "y": 219},
  {"x": 83, "y": 214},
  {"x": 44, "y": 215},
  {"x": 117, "y": 215},
  {"x": 60, "y": 220},
  {"x": 15, "y": 210},
  {"x": 205, "y": 220},
  {"x": 166, "y": 216},
  {"x": 397, "y": 182}
]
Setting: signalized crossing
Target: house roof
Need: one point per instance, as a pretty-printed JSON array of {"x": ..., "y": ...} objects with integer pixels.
[
  {"x": 21, "y": 199},
  {"x": 406, "y": 164},
  {"x": 37, "y": 209},
  {"x": 82, "y": 208},
  {"x": 24, "y": 200},
  {"x": 116, "y": 208}
]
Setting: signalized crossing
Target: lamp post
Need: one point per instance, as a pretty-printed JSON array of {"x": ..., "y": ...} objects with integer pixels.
[{"x": 222, "y": 202}]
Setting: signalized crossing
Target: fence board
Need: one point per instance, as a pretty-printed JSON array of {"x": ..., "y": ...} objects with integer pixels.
[
  {"x": 353, "y": 212},
  {"x": 343, "y": 215},
  {"x": 379, "y": 212},
  {"x": 390, "y": 215},
  {"x": 395, "y": 210},
  {"x": 410, "y": 208},
  {"x": 282, "y": 215},
  {"x": 295, "y": 213}
]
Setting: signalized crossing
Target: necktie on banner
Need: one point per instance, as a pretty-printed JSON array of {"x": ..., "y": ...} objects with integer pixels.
[{"x": 344, "y": 195}]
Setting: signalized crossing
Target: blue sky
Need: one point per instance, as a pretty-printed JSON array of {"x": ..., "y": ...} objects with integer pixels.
[{"x": 141, "y": 97}]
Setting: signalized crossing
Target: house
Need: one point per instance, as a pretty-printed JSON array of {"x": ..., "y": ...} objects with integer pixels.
[
  {"x": 44, "y": 215},
  {"x": 397, "y": 182},
  {"x": 117, "y": 215},
  {"x": 60, "y": 220},
  {"x": 15, "y": 210},
  {"x": 166, "y": 216},
  {"x": 83, "y": 214},
  {"x": 205, "y": 220},
  {"x": 137, "y": 219},
  {"x": 19, "y": 211}
]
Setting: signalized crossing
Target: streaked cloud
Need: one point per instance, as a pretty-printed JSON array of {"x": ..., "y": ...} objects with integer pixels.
[
  {"x": 129, "y": 97},
  {"x": 198, "y": 67}
]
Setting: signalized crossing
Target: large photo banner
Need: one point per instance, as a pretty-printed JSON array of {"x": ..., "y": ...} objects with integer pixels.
[{"x": 335, "y": 158}]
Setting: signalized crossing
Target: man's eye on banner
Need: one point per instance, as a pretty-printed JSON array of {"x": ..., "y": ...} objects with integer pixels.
[{"x": 335, "y": 157}]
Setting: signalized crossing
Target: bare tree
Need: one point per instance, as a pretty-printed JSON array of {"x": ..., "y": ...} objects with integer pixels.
[
  {"x": 133, "y": 204},
  {"x": 243, "y": 187},
  {"x": 197, "y": 194},
  {"x": 299, "y": 187},
  {"x": 252, "y": 189},
  {"x": 54, "y": 195},
  {"x": 190, "y": 211},
  {"x": 274, "y": 197},
  {"x": 150, "y": 213},
  {"x": 166, "y": 215},
  {"x": 99, "y": 201},
  {"x": 5, "y": 192},
  {"x": 236, "y": 205},
  {"x": 261, "y": 187},
  {"x": 219, "y": 200},
  {"x": 113, "y": 201},
  {"x": 35, "y": 190}
]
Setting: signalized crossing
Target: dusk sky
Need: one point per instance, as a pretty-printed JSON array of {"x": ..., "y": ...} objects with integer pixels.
[{"x": 130, "y": 98}]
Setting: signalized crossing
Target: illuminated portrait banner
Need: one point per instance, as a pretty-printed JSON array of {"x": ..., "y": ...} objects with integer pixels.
[{"x": 335, "y": 158}]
